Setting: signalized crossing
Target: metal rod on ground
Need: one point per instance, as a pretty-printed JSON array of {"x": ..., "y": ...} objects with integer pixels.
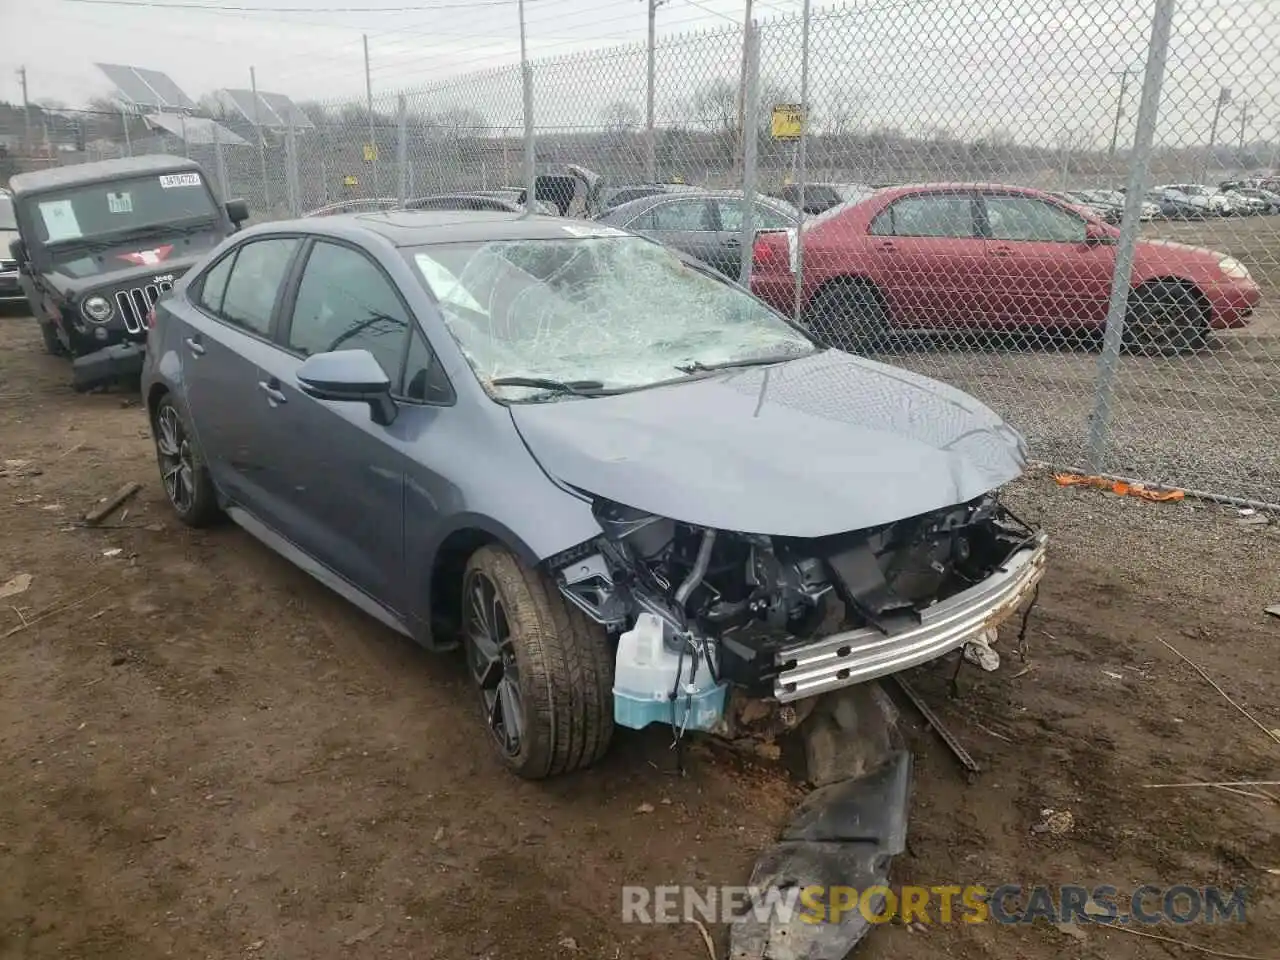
[
  {"x": 402, "y": 149},
  {"x": 262, "y": 143},
  {"x": 750, "y": 142},
  {"x": 1144, "y": 136},
  {"x": 802, "y": 155},
  {"x": 1196, "y": 494},
  {"x": 373, "y": 135},
  {"x": 530, "y": 156},
  {"x": 650, "y": 134}
]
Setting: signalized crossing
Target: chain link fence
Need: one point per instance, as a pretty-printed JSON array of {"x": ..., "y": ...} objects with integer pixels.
[{"x": 1063, "y": 208}]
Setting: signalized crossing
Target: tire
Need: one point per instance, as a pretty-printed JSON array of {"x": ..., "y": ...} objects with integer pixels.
[
  {"x": 532, "y": 655},
  {"x": 183, "y": 475},
  {"x": 1164, "y": 319},
  {"x": 849, "y": 316},
  {"x": 52, "y": 345}
]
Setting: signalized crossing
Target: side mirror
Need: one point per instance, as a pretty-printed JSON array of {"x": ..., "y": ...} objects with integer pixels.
[
  {"x": 18, "y": 251},
  {"x": 237, "y": 211},
  {"x": 351, "y": 376},
  {"x": 1096, "y": 235}
]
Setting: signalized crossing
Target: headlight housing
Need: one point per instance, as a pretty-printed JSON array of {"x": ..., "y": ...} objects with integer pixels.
[
  {"x": 97, "y": 309},
  {"x": 1233, "y": 268}
]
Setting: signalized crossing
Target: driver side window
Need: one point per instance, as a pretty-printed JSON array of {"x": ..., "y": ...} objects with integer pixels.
[{"x": 345, "y": 302}]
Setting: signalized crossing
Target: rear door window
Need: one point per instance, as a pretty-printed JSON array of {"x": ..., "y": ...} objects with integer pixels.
[
  {"x": 927, "y": 215},
  {"x": 254, "y": 284}
]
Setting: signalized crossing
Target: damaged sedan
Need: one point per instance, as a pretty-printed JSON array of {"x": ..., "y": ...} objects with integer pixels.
[{"x": 621, "y": 484}]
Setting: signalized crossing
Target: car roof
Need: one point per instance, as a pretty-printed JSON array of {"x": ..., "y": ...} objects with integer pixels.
[
  {"x": 97, "y": 172},
  {"x": 412, "y": 228},
  {"x": 640, "y": 204}
]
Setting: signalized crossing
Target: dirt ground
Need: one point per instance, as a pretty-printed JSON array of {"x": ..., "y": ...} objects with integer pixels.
[{"x": 206, "y": 754}]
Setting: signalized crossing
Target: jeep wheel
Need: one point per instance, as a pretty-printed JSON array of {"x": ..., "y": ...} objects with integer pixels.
[
  {"x": 543, "y": 670},
  {"x": 52, "y": 344},
  {"x": 182, "y": 470}
]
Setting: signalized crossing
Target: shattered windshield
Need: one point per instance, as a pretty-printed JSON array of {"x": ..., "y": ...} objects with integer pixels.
[
  {"x": 612, "y": 312},
  {"x": 98, "y": 210}
]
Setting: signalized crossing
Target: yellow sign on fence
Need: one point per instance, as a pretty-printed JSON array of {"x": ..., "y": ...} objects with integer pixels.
[
  {"x": 370, "y": 153},
  {"x": 788, "y": 121},
  {"x": 350, "y": 181}
]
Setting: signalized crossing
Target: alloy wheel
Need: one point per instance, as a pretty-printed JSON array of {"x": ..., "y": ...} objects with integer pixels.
[
  {"x": 491, "y": 657},
  {"x": 177, "y": 468}
]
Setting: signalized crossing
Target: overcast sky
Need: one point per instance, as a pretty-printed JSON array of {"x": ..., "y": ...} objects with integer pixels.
[{"x": 1038, "y": 70}]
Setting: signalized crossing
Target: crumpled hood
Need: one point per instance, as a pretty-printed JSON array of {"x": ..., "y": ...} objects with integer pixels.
[{"x": 820, "y": 445}]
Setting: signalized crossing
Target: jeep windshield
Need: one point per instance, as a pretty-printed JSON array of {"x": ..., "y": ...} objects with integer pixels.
[
  {"x": 7, "y": 220},
  {"x": 106, "y": 212},
  {"x": 602, "y": 313}
]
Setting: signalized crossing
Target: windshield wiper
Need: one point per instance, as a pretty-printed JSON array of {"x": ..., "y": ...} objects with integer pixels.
[
  {"x": 578, "y": 388},
  {"x": 697, "y": 366}
]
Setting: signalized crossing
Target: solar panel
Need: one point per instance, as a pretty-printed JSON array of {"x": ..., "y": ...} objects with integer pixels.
[
  {"x": 172, "y": 96},
  {"x": 146, "y": 88},
  {"x": 196, "y": 130},
  {"x": 286, "y": 110},
  {"x": 274, "y": 110}
]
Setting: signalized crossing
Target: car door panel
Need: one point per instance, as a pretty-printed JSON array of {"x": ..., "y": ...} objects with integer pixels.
[
  {"x": 222, "y": 340},
  {"x": 727, "y": 213},
  {"x": 337, "y": 477},
  {"x": 336, "y": 482},
  {"x": 1041, "y": 270},
  {"x": 927, "y": 259},
  {"x": 685, "y": 224}
]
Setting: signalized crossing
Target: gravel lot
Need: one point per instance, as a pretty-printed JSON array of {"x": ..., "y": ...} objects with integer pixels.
[
  {"x": 1207, "y": 421},
  {"x": 208, "y": 755}
]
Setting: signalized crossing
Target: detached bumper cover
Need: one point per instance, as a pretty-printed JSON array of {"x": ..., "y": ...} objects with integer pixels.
[
  {"x": 109, "y": 363},
  {"x": 856, "y": 656}
]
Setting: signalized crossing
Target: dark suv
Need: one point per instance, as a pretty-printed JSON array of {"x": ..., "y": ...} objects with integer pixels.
[{"x": 98, "y": 245}]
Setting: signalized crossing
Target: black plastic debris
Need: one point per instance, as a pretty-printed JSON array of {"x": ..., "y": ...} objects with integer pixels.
[{"x": 842, "y": 835}]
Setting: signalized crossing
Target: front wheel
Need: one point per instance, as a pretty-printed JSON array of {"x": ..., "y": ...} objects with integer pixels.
[
  {"x": 544, "y": 672},
  {"x": 182, "y": 471},
  {"x": 1165, "y": 319},
  {"x": 53, "y": 344}
]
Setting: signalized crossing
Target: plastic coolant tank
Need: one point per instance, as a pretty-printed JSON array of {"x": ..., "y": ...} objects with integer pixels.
[{"x": 645, "y": 675}]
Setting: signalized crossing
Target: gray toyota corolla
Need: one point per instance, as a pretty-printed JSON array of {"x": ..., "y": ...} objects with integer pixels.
[{"x": 625, "y": 486}]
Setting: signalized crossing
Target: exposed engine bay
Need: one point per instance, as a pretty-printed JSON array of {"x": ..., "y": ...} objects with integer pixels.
[{"x": 744, "y": 600}]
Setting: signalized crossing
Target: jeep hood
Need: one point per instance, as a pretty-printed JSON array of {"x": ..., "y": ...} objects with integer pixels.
[
  {"x": 807, "y": 448},
  {"x": 98, "y": 270}
]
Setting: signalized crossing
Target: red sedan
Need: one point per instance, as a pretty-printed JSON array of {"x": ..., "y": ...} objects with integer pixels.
[{"x": 942, "y": 256}]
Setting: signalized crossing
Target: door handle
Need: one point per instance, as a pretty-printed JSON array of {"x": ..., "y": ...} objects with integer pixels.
[
  {"x": 1002, "y": 251},
  {"x": 195, "y": 346},
  {"x": 274, "y": 396},
  {"x": 887, "y": 245},
  {"x": 732, "y": 242}
]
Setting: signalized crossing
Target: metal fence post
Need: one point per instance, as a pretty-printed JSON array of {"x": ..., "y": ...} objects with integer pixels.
[
  {"x": 750, "y": 144},
  {"x": 291, "y": 170},
  {"x": 530, "y": 154},
  {"x": 802, "y": 154},
  {"x": 219, "y": 162},
  {"x": 651, "y": 71},
  {"x": 1135, "y": 191},
  {"x": 402, "y": 148}
]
